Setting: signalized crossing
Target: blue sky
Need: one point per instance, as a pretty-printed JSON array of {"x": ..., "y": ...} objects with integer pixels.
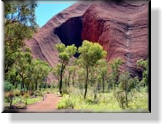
[{"x": 46, "y": 10}]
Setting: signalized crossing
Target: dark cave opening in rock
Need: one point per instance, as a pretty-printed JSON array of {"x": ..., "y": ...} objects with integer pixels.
[{"x": 70, "y": 32}]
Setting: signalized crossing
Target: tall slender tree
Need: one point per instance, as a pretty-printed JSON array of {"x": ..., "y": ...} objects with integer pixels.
[
  {"x": 90, "y": 53},
  {"x": 65, "y": 54}
]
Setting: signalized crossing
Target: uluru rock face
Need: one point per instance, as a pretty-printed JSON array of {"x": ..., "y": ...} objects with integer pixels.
[{"x": 120, "y": 27}]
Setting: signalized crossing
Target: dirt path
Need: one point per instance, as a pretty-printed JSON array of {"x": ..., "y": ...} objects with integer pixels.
[{"x": 47, "y": 105}]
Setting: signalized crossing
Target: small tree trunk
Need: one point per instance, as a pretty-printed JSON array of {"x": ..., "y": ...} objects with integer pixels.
[
  {"x": 98, "y": 86},
  {"x": 69, "y": 79},
  {"x": 126, "y": 100},
  {"x": 126, "y": 95},
  {"x": 73, "y": 82},
  {"x": 60, "y": 85},
  {"x": 36, "y": 85},
  {"x": 22, "y": 84},
  {"x": 61, "y": 77},
  {"x": 11, "y": 101},
  {"x": 103, "y": 83},
  {"x": 86, "y": 83}
]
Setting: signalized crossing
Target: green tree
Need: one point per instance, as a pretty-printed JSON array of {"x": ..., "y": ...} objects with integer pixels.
[
  {"x": 56, "y": 71},
  {"x": 124, "y": 89},
  {"x": 115, "y": 67},
  {"x": 90, "y": 53},
  {"x": 65, "y": 54},
  {"x": 22, "y": 65},
  {"x": 102, "y": 70},
  {"x": 143, "y": 66},
  {"x": 71, "y": 74},
  {"x": 13, "y": 76},
  {"x": 19, "y": 25},
  {"x": 81, "y": 77},
  {"x": 40, "y": 71}
]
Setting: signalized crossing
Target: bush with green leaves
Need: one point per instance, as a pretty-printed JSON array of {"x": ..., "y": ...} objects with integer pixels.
[
  {"x": 8, "y": 86},
  {"x": 143, "y": 66},
  {"x": 66, "y": 103},
  {"x": 9, "y": 97}
]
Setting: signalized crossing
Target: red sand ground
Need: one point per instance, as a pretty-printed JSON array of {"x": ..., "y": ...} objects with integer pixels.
[{"x": 48, "y": 105}]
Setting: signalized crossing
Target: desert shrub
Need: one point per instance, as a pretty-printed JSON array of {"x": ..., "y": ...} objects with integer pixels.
[
  {"x": 8, "y": 86},
  {"x": 9, "y": 98},
  {"x": 139, "y": 100},
  {"x": 66, "y": 103},
  {"x": 121, "y": 93},
  {"x": 16, "y": 92},
  {"x": 26, "y": 96},
  {"x": 38, "y": 93},
  {"x": 65, "y": 90},
  {"x": 121, "y": 98}
]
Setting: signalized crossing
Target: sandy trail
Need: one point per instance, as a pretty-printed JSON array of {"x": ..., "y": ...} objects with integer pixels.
[{"x": 47, "y": 105}]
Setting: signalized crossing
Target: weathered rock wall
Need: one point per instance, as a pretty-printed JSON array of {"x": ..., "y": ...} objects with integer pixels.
[{"x": 121, "y": 28}]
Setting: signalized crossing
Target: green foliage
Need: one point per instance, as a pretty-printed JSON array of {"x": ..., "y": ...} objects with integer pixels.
[
  {"x": 26, "y": 95},
  {"x": 66, "y": 103},
  {"x": 133, "y": 83},
  {"x": 139, "y": 100},
  {"x": 65, "y": 53},
  {"x": 9, "y": 97},
  {"x": 123, "y": 79},
  {"x": 38, "y": 93},
  {"x": 60, "y": 47},
  {"x": 90, "y": 53},
  {"x": 71, "y": 74},
  {"x": 57, "y": 70},
  {"x": 21, "y": 11},
  {"x": 21, "y": 102},
  {"x": 143, "y": 65},
  {"x": 33, "y": 100},
  {"x": 39, "y": 72},
  {"x": 8, "y": 86},
  {"x": 16, "y": 92}
]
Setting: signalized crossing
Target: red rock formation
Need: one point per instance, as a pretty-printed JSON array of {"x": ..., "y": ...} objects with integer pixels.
[{"x": 120, "y": 27}]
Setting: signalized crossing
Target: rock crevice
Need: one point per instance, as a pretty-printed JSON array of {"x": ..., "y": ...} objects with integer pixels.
[{"x": 70, "y": 31}]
